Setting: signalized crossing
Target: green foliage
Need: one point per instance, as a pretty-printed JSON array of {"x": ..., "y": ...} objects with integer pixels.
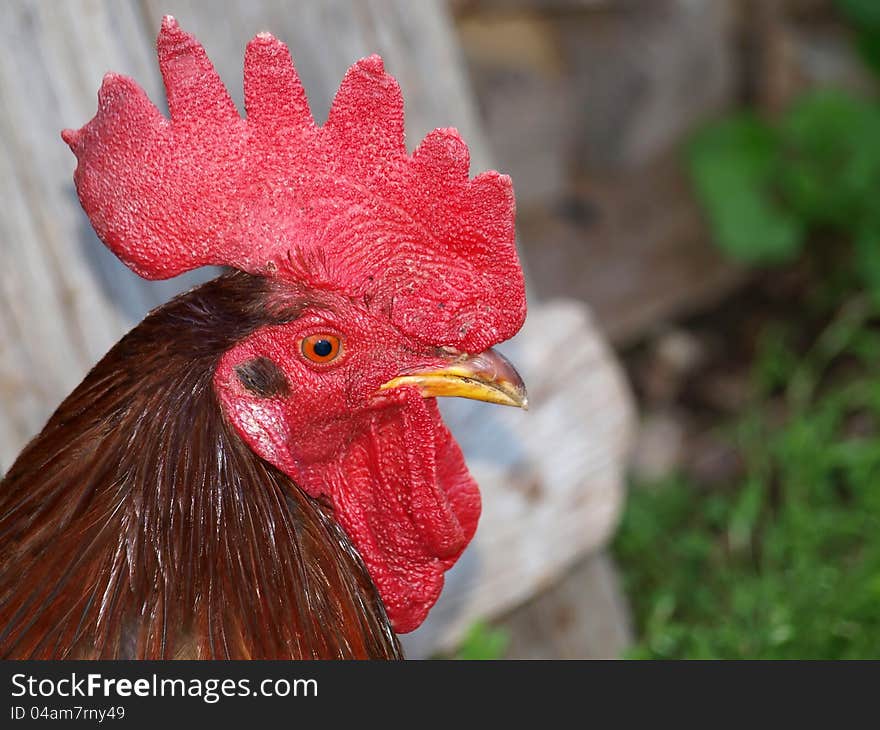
[
  {"x": 484, "y": 642},
  {"x": 785, "y": 564},
  {"x": 732, "y": 164},
  {"x": 769, "y": 191},
  {"x": 829, "y": 160},
  {"x": 864, "y": 15}
]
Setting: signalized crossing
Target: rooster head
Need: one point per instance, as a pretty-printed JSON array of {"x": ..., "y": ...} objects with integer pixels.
[{"x": 391, "y": 276}]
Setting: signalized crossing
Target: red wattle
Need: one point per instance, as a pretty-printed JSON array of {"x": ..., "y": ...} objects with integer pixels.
[{"x": 403, "y": 494}]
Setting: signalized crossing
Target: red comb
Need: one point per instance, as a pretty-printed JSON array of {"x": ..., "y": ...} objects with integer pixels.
[{"x": 341, "y": 206}]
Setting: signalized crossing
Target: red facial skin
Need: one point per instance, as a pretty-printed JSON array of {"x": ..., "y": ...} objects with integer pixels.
[{"x": 395, "y": 476}]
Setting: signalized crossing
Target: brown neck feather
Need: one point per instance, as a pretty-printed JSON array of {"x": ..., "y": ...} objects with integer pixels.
[{"x": 138, "y": 525}]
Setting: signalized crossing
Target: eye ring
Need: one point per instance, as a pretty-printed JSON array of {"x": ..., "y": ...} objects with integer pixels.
[{"x": 321, "y": 348}]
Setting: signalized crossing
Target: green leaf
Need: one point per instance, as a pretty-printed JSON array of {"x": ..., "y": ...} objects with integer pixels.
[
  {"x": 829, "y": 167},
  {"x": 732, "y": 164}
]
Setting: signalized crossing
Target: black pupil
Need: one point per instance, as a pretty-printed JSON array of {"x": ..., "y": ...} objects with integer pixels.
[{"x": 323, "y": 348}]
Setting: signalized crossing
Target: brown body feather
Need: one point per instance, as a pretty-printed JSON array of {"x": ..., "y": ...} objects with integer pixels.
[{"x": 138, "y": 525}]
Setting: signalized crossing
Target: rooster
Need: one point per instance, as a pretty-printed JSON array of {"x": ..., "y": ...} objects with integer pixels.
[{"x": 260, "y": 469}]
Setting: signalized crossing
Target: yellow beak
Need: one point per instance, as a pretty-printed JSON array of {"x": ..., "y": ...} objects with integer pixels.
[{"x": 488, "y": 376}]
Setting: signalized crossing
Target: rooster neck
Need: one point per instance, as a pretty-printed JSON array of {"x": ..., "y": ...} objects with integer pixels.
[{"x": 138, "y": 524}]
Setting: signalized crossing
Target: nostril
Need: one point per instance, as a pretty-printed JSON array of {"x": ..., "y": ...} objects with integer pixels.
[{"x": 450, "y": 352}]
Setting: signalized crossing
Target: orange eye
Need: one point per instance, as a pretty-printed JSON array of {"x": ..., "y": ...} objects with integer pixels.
[{"x": 321, "y": 348}]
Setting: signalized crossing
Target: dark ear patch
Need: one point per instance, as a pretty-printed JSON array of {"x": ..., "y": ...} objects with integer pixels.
[{"x": 262, "y": 377}]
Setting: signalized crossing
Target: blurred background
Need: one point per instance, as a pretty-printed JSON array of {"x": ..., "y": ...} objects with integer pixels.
[{"x": 697, "y": 188}]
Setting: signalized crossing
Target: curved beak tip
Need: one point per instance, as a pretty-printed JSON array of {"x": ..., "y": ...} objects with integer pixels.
[{"x": 488, "y": 377}]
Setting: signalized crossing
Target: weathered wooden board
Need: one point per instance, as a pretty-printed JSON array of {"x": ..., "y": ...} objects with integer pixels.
[
  {"x": 551, "y": 478},
  {"x": 584, "y": 617}
]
